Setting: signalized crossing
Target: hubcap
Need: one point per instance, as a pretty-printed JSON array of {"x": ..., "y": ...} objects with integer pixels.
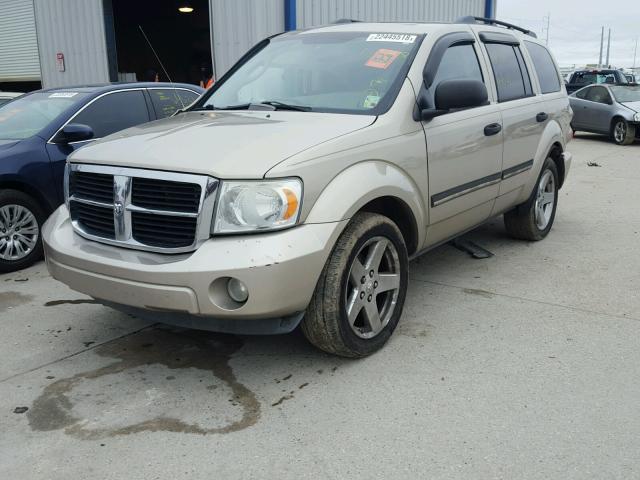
[
  {"x": 545, "y": 200},
  {"x": 371, "y": 292},
  {"x": 18, "y": 232},
  {"x": 620, "y": 132}
]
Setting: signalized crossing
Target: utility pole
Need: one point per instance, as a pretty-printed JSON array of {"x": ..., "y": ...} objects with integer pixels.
[
  {"x": 548, "y": 18},
  {"x": 608, "y": 45},
  {"x": 601, "y": 45},
  {"x": 635, "y": 50}
]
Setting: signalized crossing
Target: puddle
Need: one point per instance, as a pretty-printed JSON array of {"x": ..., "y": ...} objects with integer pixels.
[
  {"x": 13, "y": 299},
  {"x": 160, "y": 381}
]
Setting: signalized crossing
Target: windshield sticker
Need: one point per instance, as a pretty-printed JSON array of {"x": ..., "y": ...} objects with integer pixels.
[
  {"x": 382, "y": 58},
  {"x": 371, "y": 101},
  {"x": 63, "y": 95},
  {"x": 391, "y": 37}
]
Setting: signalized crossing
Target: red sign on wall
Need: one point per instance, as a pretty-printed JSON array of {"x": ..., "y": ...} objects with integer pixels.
[{"x": 60, "y": 61}]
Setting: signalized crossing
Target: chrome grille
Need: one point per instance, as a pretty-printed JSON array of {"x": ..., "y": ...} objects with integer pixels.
[{"x": 144, "y": 209}]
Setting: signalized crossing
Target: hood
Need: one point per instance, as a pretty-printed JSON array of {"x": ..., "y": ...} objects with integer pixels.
[
  {"x": 5, "y": 145},
  {"x": 220, "y": 144},
  {"x": 632, "y": 105}
]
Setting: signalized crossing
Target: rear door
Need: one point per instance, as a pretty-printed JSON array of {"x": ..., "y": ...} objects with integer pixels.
[
  {"x": 464, "y": 147},
  {"x": 106, "y": 114},
  {"x": 523, "y": 113}
]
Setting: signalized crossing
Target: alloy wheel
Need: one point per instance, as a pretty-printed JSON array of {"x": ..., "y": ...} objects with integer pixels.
[
  {"x": 620, "y": 132},
  {"x": 371, "y": 293},
  {"x": 18, "y": 232},
  {"x": 545, "y": 200}
]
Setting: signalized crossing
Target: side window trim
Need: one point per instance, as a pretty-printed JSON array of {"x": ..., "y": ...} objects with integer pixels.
[
  {"x": 438, "y": 50},
  {"x": 524, "y": 72},
  {"x": 86, "y": 105}
]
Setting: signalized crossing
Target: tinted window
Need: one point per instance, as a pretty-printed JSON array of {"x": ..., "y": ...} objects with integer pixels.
[
  {"x": 509, "y": 74},
  {"x": 582, "y": 93},
  {"x": 114, "y": 112},
  {"x": 598, "y": 94},
  {"x": 545, "y": 68},
  {"x": 166, "y": 102},
  {"x": 459, "y": 61}
]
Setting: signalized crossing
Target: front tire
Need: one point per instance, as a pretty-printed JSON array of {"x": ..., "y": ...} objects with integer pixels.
[
  {"x": 361, "y": 292},
  {"x": 622, "y": 132},
  {"x": 533, "y": 220},
  {"x": 21, "y": 219}
]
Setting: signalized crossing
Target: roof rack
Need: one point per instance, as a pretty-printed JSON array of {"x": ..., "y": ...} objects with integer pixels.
[
  {"x": 346, "y": 20},
  {"x": 492, "y": 21}
]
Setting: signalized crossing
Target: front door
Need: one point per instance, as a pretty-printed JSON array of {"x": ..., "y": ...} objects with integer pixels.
[{"x": 464, "y": 150}]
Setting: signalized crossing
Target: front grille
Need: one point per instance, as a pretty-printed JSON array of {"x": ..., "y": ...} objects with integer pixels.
[
  {"x": 163, "y": 230},
  {"x": 92, "y": 186},
  {"x": 165, "y": 195},
  {"x": 144, "y": 209},
  {"x": 93, "y": 219}
]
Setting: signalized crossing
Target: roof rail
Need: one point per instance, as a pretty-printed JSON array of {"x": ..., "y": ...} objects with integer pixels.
[
  {"x": 492, "y": 21},
  {"x": 346, "y": 20}
]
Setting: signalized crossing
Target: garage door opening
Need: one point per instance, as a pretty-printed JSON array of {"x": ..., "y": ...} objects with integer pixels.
[{"x": 178, "y": 31}]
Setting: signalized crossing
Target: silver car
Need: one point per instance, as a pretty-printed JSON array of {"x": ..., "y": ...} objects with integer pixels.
[
  {"x": 609, "y": 109},
  {"x": 295, "y": 191}
]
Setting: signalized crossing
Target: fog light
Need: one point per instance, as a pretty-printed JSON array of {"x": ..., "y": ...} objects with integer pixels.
[{"x": 237, "y": 290}]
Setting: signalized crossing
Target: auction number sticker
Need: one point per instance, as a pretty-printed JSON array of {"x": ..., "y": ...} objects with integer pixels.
[
  {"x": 63, "y": 95},
  {"x": 391, "y": 37}
]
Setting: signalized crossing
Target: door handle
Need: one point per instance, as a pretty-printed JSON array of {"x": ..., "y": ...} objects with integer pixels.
[
  {"x": 541, "y": 117},
  {"x": 492, "y": 129}
]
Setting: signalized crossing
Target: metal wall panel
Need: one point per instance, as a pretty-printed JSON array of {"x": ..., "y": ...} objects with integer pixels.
[
  {"x": 311, "y": 13},
  {"x": 18, "y": 42},
  {"x": 75, "y": 28},
  {"x": 237, "y": 25}
]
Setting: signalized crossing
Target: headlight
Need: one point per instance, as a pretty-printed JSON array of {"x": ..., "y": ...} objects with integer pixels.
[
  {"x": 256, "y": 206},
  {"x": 636, "y": 117}
]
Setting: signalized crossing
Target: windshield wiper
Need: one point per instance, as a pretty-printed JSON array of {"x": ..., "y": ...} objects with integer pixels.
[
  {"x": 200, "y": 109},
  {"x": 267, "y": 105}
]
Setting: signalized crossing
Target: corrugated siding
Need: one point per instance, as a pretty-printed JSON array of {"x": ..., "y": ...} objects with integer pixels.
[
  {"x": 75, "y": 28},
  {"x": 18, "y": 41},
  {"x": 237, "y": 25},
  {"x": 311, "y": 13}
]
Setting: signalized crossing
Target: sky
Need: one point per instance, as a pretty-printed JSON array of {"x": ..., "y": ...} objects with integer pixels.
[{"x": 575, "y": 26}]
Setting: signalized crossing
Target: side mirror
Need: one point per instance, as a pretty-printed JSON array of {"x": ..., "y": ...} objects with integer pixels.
[
  {"x": 74, "y": 132},
  {"x": 457, "y": 94}
]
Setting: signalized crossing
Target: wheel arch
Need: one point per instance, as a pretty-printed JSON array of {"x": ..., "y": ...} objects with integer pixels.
[
  {"x": 376, "y": 187},
  {"x": 24, "y": 187}
]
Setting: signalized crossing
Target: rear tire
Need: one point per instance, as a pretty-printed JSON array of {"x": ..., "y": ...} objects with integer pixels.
[
  {"x": 21, "y": 219},
  {"x": 623, "y": 132},
  {"x": 533, "y": 220},
  {"x": 361, "y": 292}
]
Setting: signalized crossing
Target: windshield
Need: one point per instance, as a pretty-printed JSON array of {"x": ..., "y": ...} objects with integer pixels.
[
  {"x": 587, "y": 78},
  {"x": 626, "y": 94},
  {"x": 343, "y": 72},
  {"x": 26, "y": 116}
]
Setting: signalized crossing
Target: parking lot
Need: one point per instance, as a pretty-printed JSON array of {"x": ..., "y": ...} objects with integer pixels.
[{"x": 523, "y": 365}]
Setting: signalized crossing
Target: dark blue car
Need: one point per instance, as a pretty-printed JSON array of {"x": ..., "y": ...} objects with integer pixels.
[{"x": 37, "y": 133}]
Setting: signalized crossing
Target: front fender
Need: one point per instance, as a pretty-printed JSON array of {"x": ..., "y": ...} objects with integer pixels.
[{"x": 361, "y": 183}]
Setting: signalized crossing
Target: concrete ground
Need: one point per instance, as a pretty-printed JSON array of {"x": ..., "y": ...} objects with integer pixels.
[{"x": 525, "y": 365}]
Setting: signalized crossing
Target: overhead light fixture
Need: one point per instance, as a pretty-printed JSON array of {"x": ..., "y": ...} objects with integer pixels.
[{"x": 185, "y": 7}]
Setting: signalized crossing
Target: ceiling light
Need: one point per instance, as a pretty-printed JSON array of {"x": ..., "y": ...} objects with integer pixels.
[{"x": 185, "y": 8}]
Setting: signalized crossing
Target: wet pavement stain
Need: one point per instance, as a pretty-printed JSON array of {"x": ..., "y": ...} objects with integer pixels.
[
  {"x": 54, "y": 303},
  {"x": 13, "y": 299},
  {"x": 481, "y": 293},
  {"x": 53, "y": 409}
]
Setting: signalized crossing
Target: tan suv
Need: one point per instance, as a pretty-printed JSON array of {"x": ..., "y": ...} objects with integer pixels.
[{"x": 296, "y": 190}]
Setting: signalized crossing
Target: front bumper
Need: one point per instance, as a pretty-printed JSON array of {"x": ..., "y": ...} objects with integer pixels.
[{"x": 280, "y": 270}]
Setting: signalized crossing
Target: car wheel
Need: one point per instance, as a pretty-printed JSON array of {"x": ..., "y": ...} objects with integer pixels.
[
  {"x": 21, "y": 219},
  {"x": 534, "y": 219},
  {"x": 622, "y": 132},
  {"x": 360, "y": 294}
]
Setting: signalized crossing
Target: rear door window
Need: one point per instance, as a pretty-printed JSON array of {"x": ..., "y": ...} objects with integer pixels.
[
  {"x": 167, "y": 101},
  {"x": 545, "y": 68},
  {"x": 510, "y": 71},
  {"x": 114, "y": 112}
]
